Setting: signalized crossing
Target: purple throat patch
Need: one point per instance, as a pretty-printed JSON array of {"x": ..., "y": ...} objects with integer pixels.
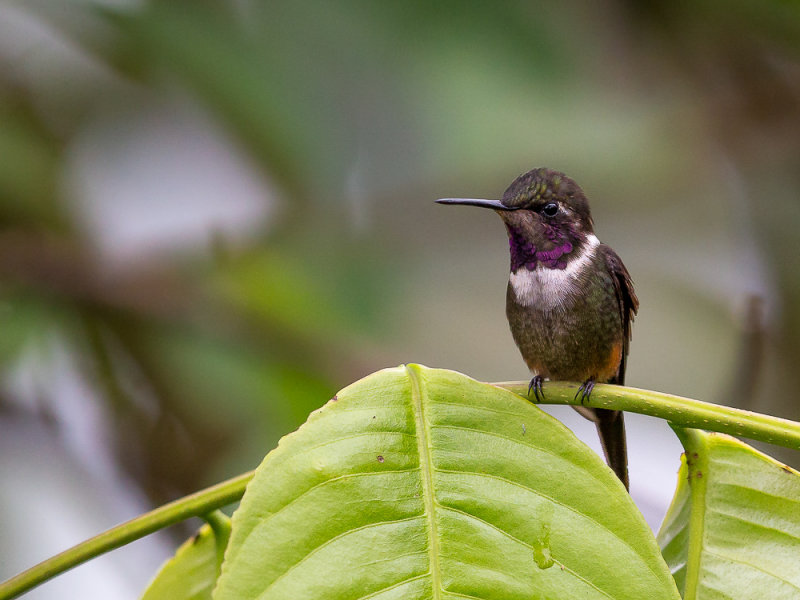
[{"x": 524, "y": 253}]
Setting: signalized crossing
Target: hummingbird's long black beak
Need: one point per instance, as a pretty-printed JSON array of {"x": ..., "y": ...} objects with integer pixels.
[{"x": 493, "y": 204}]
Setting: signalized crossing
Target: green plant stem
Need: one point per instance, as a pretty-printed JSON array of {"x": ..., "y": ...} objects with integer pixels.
[
  {"x": 683, "y": 412},
  {"x": 221, "y": 526},
  {"x": 195, "y": 505}
]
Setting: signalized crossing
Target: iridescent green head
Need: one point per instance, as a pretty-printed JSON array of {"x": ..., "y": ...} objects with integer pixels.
[{"x": 551, "y": 194}]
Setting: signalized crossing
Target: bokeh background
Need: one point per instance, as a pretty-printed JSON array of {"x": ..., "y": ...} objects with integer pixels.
[{"x": 214, "y": 214}]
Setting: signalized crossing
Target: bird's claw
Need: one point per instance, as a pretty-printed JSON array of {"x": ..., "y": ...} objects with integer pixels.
[
  {"x": 585, "y": 390},
  {"x": 536, "y": 386}
]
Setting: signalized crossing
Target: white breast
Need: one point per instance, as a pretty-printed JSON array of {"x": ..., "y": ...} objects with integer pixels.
[{"x": 549, "y": 288}]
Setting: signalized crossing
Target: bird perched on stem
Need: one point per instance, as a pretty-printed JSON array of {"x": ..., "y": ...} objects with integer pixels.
[{"x": 570, "y": 300}]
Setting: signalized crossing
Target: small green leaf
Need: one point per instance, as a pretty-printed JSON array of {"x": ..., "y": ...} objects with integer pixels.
[
  {"x": 423, "y": 483},
  {"x": 192, "y": 573},
  {"x": 733, "y": 529}
]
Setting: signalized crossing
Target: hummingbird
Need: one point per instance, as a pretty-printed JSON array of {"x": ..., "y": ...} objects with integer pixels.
[{"x": 570, "y": 300}]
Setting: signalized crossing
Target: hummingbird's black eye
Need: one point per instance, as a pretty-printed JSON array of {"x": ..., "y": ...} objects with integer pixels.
[{"x": 550, "y": 209}]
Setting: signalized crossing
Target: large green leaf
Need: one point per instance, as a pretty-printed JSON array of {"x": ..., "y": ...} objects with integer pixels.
[
  {"x": 422, "y": 483},
  {"x": 733, "y": 529}
]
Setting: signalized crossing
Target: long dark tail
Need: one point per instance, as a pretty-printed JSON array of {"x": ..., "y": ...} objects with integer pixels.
[{"x": 611, "y": 428}]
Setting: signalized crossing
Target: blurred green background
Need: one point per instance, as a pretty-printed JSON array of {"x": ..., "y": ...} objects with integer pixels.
[{"x": 214, "y": 214}]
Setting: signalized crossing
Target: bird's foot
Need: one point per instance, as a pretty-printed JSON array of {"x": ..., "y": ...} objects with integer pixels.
[
  {"x": 536, "y": 386},
  {"x": 585, "y": 390}
]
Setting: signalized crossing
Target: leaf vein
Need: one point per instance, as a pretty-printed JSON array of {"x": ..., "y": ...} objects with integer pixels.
[
  {"x": 527, "y": 545},
  {"x": 394, "y": 585},
  {"x": 516, "y": 441},
  {"x": 752, "y": 566},
  {"x": 562, "y": 505},
  {"x": 426, "y": 468},
  {"x": 760, "y": 526},
  {"x": 264, "y": 519},
  {"x": 350, "y": 437},
  {"x": 482, "y": 408},
  {"x": 330, "y": 541}
]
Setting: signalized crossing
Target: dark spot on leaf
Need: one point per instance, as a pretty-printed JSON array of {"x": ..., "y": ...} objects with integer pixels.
[
  {"x": 699, "y": 474},
  {"x": 373, "y": 416},
  {"x": 787, "y": 469},
  {"x": 380, "y": 458},
  {"x": 335, "y": 399},
  {"x": 695, "y": 455}
]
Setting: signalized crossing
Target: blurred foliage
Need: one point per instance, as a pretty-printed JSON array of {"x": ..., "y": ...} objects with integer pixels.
[{"x": 202, "y": 359}]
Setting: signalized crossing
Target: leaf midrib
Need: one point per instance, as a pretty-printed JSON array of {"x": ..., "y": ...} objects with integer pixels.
[
  {"x": 695, "y": 443},
  {"x": 426, "y": 472}
]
